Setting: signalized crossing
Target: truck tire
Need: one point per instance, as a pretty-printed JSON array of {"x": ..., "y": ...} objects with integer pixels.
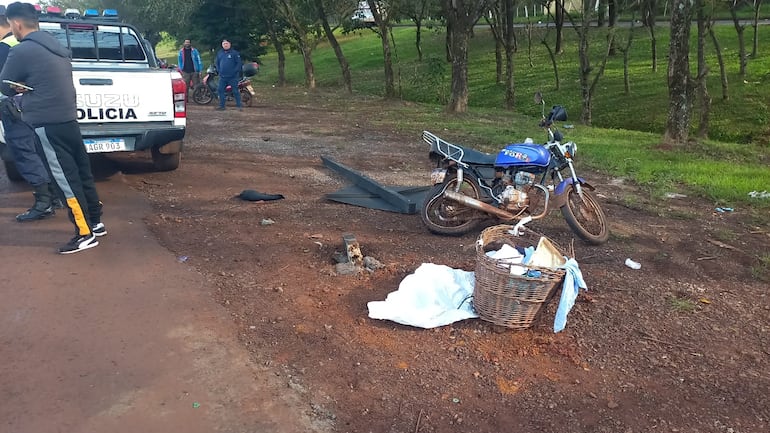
[
  {"x": 165, "y": 161},
  {"x": 11, "y": 172}
]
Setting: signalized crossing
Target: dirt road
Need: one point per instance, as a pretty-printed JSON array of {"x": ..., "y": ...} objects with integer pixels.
[
  {"x": 123, "y": 338},
  {"x": 257, "y": 307}
]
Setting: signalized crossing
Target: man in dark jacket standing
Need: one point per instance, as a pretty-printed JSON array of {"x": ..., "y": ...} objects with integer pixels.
[
  {"x": 21, "y": 141},
  {"x": 229, "y": 67},
  {"x": 43, "y": 64}
]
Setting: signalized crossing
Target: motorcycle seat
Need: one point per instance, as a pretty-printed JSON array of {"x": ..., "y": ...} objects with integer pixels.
[{"x": 471, "y": 156}]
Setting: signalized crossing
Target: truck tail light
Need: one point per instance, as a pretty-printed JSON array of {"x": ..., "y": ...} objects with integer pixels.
[{"x": 179, "y": 88}]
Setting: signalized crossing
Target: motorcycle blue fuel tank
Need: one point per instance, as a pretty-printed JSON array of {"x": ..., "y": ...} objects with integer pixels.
[{"x": 523, "y": 154}]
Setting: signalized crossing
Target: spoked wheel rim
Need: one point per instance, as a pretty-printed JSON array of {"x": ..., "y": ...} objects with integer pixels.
[
  {"x": 448, "y": 217},
  {"x": 588, "y": 217}
]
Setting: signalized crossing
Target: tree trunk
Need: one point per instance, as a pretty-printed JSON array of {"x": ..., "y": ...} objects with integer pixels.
[
  {"x": 739, "y": 28},
  {"x": 626, "y": 50},
  {"x": 461, "y": 16},
  {"x": 648, "y": 18},
  {"x": 552, "y": 55},
  {"x": 703, "y": 92},
  {"x": 383, "y": 23},
  {"x": 559, "y": 21},
  {"x": 495, "y": 23},
  {"x": 585, "y": 70},
  {"x": 498, "y": 61},
  {"x": 678, "y": 123},
  {"x": 344, "y": 65},
  {"x": 458, "y": 102},
  {"x": 601, "y": 11},
  {"x": 278, "y": 45},
  {"x": 612, "y": 10},
  {"x": 510, "y": 46},
  {"x": 721, "y": 60},
  {"x": 304, "y": 44},
  {"x": 418, "y": 38},
  {"x": 755, "y": 45},
  {"x": 307, "y": 57}
]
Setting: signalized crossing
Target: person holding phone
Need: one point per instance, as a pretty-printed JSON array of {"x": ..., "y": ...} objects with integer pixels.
[
  {"x": 41, "y": 62},
  {"x": 21, "y": 141}
]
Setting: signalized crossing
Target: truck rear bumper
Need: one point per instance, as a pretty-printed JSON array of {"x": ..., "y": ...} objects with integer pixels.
[{"x": 137, "y": 138}]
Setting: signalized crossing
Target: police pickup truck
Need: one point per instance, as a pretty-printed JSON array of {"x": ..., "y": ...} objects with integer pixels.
[{"x": 125, "y": 103}]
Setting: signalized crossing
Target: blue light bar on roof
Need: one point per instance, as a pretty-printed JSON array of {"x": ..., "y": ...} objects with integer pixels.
[
  {"x": 110, "y": 14},
  {"x": 90, "y": 13}
]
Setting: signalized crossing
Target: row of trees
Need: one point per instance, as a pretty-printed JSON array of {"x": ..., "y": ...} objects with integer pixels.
[{"x": 302, "y": 24}]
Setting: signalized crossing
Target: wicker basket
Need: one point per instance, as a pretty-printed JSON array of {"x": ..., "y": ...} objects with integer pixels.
[{"x": 505, "y": 299}]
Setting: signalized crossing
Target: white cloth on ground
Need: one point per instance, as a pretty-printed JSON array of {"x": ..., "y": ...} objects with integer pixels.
[{"x": 434, "y": 295}]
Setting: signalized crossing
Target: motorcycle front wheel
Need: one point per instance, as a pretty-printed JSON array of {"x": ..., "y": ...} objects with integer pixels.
[
  {"x": 446, "y": 217},
  {"x": 202, "y": 95},
  {"x": 585, "y": 217}
]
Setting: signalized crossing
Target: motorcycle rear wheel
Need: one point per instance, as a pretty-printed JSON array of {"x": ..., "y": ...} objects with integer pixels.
[
  {"x": 585, "y": 217},
  {"x": 446, "y": 217},
  {"x": 246, "y": 98},
  {"x": 202, "y": 94}
]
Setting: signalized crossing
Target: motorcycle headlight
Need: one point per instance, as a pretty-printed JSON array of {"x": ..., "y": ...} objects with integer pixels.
[{"x": 570, "y": 149}]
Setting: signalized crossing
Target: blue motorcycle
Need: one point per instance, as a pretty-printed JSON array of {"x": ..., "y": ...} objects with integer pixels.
[{"x": 523, "y": 182}]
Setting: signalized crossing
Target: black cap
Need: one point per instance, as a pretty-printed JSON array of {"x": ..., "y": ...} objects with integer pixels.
[
  {"x": 20, "y": 10},
  {"x": 2, "y": 10}
]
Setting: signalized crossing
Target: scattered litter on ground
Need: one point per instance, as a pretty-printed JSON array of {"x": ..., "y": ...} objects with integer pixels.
[
  {"x": 724, "y": 209},
  {"x": 757, "y": 194},
  {"x": 675, "y": 195},
  {"x": 371, "y": 264},
  {"x": 182, "y": 259},
  {"x": 267, "y": 222},
  {"x": 252, "y": 195},
  {"x": 196, "y": 405},
  {"x": 633, "y": 265}
]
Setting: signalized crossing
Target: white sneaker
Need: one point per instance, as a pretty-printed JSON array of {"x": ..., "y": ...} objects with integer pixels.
[
  {"x": 99, "y": 230},
  {"x": 79, "y": 243}
]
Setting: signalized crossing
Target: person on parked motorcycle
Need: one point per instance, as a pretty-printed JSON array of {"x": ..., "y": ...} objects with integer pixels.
[
  {"x": 21, "y": 140},
  {"x": 229, "y": 66},
  {"x": 190, "y": 64}
]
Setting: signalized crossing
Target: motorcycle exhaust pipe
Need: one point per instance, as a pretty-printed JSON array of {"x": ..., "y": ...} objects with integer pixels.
[{"x": 479, "y": 205}]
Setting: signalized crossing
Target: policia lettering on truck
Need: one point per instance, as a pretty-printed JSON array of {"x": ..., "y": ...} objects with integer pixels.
[{"x": 107, "y": 106}]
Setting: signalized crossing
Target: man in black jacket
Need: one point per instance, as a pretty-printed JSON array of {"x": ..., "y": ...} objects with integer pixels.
[
  {"x": 21, "y": 141},
  {"x": 41, "y": 63}
]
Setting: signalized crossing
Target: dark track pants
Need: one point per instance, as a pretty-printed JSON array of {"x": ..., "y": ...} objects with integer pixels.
[
  {"x": 62, "y": 149},
  {"x": 22, "y": 142}
]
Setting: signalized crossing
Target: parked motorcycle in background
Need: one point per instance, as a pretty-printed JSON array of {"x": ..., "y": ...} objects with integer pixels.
[
  {"x": 523, "y": 182},
  {"x": 206, "y": 91}
]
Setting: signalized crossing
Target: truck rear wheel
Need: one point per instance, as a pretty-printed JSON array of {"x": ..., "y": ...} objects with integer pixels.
[{"x": 165, "y": 161}]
